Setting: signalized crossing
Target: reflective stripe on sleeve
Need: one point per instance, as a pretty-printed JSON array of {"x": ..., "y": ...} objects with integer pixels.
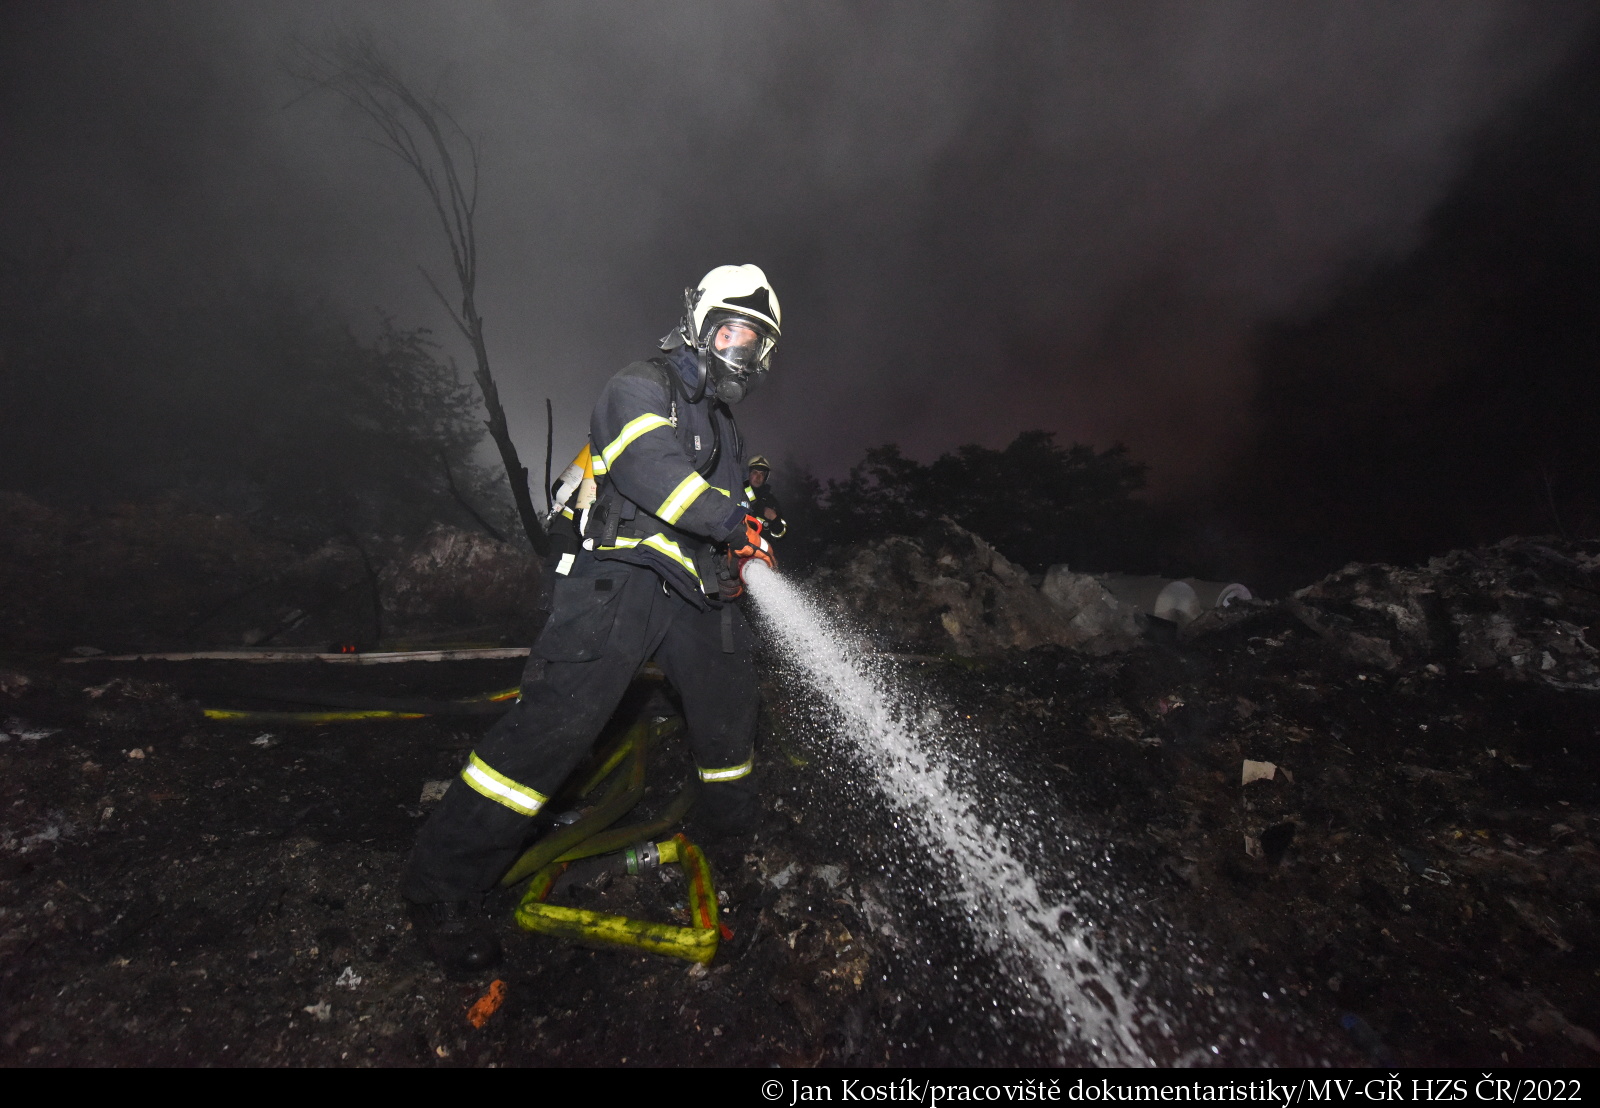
[
  {"x": 732, "y": 773},
  {"x": 630, "y": 431},
  {"x": 659, "y": 543},
  {"x": 673, "y": 507},
  {"x": 500, "y": 788}
]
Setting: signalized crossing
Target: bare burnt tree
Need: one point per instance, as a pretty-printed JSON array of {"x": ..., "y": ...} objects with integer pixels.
[{"x": 420, "y": 131}]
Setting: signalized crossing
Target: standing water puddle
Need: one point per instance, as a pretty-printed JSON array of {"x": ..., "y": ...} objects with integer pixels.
[{"x": 911, "y": 753}]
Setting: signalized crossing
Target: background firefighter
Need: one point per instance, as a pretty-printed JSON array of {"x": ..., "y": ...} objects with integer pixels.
[
  {"x": 653, "y": 574},
  {"x": 763, "y": 502}
]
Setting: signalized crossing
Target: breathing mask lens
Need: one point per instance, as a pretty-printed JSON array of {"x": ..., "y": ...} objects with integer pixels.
[{"x": 737, "y": 344}]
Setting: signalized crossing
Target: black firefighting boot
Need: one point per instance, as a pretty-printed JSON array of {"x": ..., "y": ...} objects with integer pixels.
[
  {"x": 456, "y": 935},
  {"x": 730, "y": 812}
]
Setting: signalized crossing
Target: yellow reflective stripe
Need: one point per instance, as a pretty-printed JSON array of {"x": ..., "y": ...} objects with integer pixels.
[
  {"x": 673, "y": 507},
  {"x": 661, "y": 543},
  {"x": 600, "y": 466},
  {"x": 749, "y": 492},
  {"x": 567, "y": 512},
  {"x": 500, "y": 788},
  {"x": 732, "y": 773},
  {"x": 673, "y": 551},
  {"x": 630, "y": 431}
]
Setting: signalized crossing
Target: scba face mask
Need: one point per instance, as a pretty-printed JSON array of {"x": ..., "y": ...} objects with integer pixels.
[
  {"x": 731, "y": 323},
  {"x": 736, "y": 355}
]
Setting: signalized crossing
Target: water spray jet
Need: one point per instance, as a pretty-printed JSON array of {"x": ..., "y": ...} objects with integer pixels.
[{"x": 908, "y": 748}]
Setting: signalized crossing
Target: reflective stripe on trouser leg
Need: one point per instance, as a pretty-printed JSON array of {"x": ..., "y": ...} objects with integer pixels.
[
  {"x": 718, "y": 689},
  {"x": 474, "y": 834},
  {"x": 729, "y": 773},
  {"x": 487, "y": 781}
]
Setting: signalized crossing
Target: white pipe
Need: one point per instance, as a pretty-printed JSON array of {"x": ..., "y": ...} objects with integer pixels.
[
  {"x": 1215, "y": 594},
  {"x": 1155, "y": 596},
  {"x": 371, "y": 658}
]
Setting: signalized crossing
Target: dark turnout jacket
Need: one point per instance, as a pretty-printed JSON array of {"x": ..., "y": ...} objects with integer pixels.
[
  {"x": 760, "y": 500},
  {"x": 671, "y": 476}
]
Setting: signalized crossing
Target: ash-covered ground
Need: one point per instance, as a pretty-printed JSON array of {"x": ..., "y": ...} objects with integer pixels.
[{"x": 1412, "y": 877}]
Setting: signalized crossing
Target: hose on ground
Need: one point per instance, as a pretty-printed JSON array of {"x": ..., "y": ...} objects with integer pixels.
[{"x": 624, "y": 792}]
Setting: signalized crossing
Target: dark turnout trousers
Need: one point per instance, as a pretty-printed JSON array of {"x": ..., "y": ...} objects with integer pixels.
[{"x": 608, "y": 619}]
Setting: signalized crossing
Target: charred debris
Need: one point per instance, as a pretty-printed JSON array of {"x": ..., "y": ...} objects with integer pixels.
[{"x": 1367, "y": 811}]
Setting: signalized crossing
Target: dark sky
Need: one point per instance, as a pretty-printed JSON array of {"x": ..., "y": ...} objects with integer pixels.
[{"x": 981, "y": 218}]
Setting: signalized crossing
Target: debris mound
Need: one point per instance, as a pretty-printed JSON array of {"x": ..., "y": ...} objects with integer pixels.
[
  {"x": 1526, "y": 609},
  {"x": 452, "y": 578},
  {"x": 170, "y": 575},
  {"x": 947, "y": 591}
]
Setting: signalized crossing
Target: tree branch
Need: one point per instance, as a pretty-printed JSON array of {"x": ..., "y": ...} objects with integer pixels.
[
  {"x": 450, "y": 481},
  {"x": 356, "y": 70}
]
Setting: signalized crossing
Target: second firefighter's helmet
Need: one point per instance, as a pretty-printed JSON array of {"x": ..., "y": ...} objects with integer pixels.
[{"x": 732, "y": 321}]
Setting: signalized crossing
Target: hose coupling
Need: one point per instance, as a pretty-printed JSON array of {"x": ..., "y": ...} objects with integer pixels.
[{"x": 641, "y": 857}]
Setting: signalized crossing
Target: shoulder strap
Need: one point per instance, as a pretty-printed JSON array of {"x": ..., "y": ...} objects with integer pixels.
[
  {"x": 674, "y": 390},
  {"x": 669, "y": 381}
]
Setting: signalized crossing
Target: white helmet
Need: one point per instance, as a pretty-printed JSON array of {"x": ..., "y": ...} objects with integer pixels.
[
  {"x": 737, "y": 288},
  {"x": 732, "y": 321}
]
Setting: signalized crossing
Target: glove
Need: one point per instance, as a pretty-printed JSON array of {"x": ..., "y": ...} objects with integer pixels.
[{"x": 750, "y": 546}]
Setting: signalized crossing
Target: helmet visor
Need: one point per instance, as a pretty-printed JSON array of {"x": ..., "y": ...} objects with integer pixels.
[{"x": 739, "y": 343}]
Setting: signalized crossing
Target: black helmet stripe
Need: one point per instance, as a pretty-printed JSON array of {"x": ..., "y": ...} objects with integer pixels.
[{"x": 756, "y": 301}]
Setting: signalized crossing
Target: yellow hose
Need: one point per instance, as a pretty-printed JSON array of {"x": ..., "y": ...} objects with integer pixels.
[
  {"x": 695, "y": 943},
  {"x": 347, "y": 715},
  {"x": 623, "y": 837},
  {"x": 503, "y": 694},
  {"x": 543, "y": 862},
  {"x": 624, "y": 792},
  {"x": 306, "y": 717},
  {"x": 612, "y": 761}
]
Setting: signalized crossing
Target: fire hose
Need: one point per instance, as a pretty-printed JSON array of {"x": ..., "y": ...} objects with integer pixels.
[
  {"x": 588, "y": 836},
  {"x": 591, "y": 834}
]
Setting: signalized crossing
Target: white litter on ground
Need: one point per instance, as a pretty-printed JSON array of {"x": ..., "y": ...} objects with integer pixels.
[
  {"x": 26, "y": 732},
  {"x": 1257, "y": 771}
]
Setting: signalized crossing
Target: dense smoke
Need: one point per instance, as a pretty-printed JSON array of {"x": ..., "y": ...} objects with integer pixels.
[{"x": 981, "y": 218}]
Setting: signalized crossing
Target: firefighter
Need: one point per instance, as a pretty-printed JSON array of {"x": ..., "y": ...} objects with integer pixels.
[
  {"x": 763, "y": 504},
  {"x": 660, "y": 548}
]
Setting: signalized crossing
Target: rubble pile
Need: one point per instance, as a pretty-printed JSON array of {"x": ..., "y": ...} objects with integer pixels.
[
  {"x": 1377, "y": 800},
  {"x": 947, "y": 591},
  {"x": 1358, "y": 825},
  {"x": 132, "y": 575},
  {"x": 451, "y": 578},
  {"x": 169, "y": 576},
  {"x": 1521, "y": 608}
]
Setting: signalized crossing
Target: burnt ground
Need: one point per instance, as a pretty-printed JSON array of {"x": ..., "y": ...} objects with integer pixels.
[{"x": 1417, "y": 884}]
